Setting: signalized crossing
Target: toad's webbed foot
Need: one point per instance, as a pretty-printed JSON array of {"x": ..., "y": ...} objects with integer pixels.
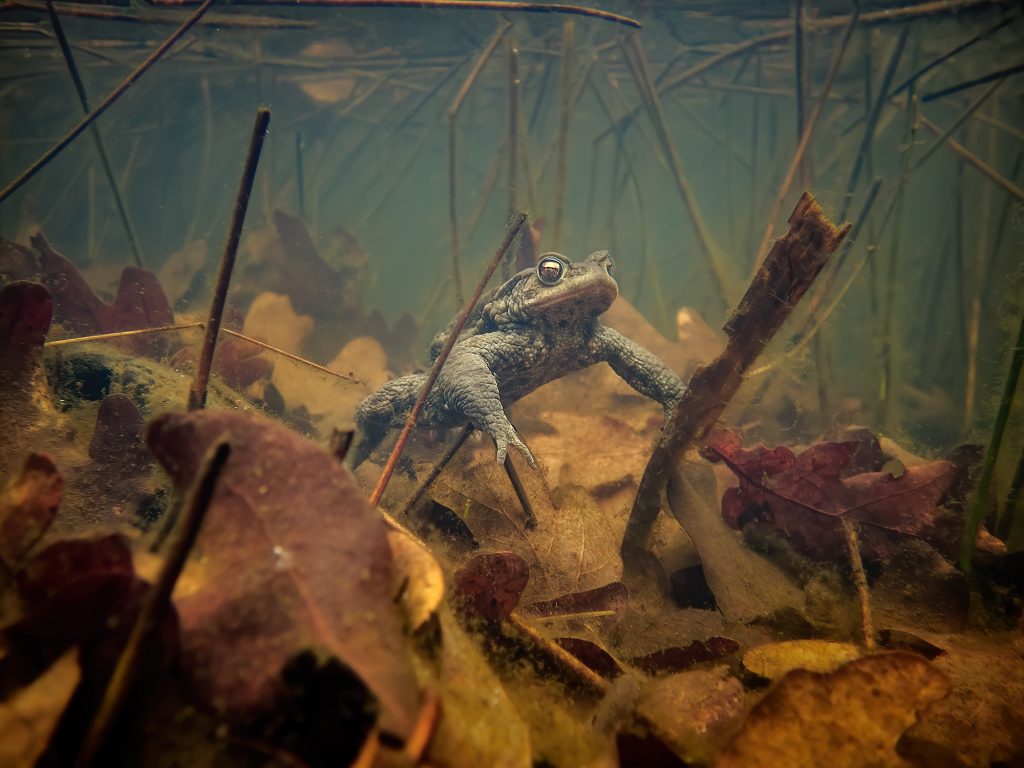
[{"x": 504, "y": 437}]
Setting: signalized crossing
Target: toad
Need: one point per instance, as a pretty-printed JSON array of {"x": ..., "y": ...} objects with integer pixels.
[{"x": 538, "y": 326}]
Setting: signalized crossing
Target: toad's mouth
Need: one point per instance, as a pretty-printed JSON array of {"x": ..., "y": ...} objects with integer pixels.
[{"x": 599, "y": 292}]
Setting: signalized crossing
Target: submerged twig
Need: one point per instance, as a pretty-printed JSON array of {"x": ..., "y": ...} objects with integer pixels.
[
  {"x": 121, "y": 334},
  {"x": 453, "y": 113},
  {"x": 157, "y": 600},
  {"x": 988, "y": 464},
  {"x": 197, "y": 394},
  {"x": 860, "y": 581},
  {"x": 435, "y": 470},
  {"x": 291, "y": 356},
  {"x": 999, "y": 76},
  {"x": 446, "y": 350},
  {"x": 101, "y": 150},
  {"x": 104, "y": 105},
  {"x": 974, "y": 161},
  {"x": 790, "y": 269}
]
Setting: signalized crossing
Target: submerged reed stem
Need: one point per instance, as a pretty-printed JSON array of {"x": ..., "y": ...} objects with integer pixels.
[
  {"x": 457, "y": 326},
  {"x": 197, "y": 394}
]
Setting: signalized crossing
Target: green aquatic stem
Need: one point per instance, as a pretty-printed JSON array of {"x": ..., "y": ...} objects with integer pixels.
[{"x": 988, "y": 463}]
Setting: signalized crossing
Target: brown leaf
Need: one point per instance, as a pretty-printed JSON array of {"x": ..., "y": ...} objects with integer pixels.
[
  {"x": 28, "y": 505},
  {"x": 293, "y": 559},
  {"x": 677, "y": 659},
  {"x": 419, "y": 576},
  {"x": 489, "y": 585},
  {"x": 851, "y": 717},
  {"x": 774, "y": 660},
  {"x": 611, "y": 598},
  {"x": 28, "y": 718}
]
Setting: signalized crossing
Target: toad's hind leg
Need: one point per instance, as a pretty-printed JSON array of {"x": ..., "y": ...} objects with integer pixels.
[{"x": 381, "y": 410}]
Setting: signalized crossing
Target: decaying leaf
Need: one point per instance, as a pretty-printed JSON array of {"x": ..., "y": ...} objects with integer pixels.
[
  {"x": 677, "y": 659},
  {"x": 117, "y": 438},
  {"x": 28, "y": 504},
  {"x": 774, "y": 660},
  {"x": 28, "y": 717},
  {"x": 803, "y": 494},
  {"x": 593, "y": 655},
  {"x": 420, "y": 580},
  {"x": 294, "y": 559},
  {"x": 272, "y": 319},
  {"x": 489, "y": 585},
  {"x": 607, "y": 602},
  {"x": 851, "y": 717}
]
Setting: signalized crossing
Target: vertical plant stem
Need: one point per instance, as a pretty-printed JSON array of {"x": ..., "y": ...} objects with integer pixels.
[
  {"x": 436, "y": 470},
  {"x": 514, "y": 88},
  {"x": 799, "y": 76},
  {"x": 101, "y": 150},
  {"x": 197, "y": 395},
  {"x": 712, "y": 251},
  {"x": 107, "y": 102},
  {"x": 860, "y": 581},
  {"x": 520, "y": 491},
  {"x": 457, "y": 326},
  {"x": 888, "y": 333},
  {"x": 988, "y": 464},
  {"x": 568, "y": 31},
  {"x": 300, "y": 181},
  {"x": 453, "y": 113},
  {"x": 157, "y": 600},
  {"x": 805, "y": 138}
]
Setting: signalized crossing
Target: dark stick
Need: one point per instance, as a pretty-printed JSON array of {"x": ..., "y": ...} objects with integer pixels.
[
  {"x": 872, "y": 121},
  {"x": 517, "y": 486},
  {"x": 157, "y": 600},
  {"x": 115, "y": 188},
  {"x": 1005, "y": 525},
  {"x": 104, "y": 105},
  {"x": 950, "y": 54},
  {"x": 436, "y": 470},
  {"x": 197, "y": 394},
  {"x": 974, "y": 161},
  {"x": 514, "y": 87},
  {"x": 958, "y": 122},
  {"x": 1001, "y": 75},
  {"x": 460, "y": 322},
  {"x": 129, "y": 14},
  {"x": 299, "y": 180},
  {"x": 563, "y": 133}
]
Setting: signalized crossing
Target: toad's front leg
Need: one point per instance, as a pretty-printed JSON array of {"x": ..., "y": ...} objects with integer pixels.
[
  {"x": 467, "y": 385},
  {"x": 641, "y": 369}
]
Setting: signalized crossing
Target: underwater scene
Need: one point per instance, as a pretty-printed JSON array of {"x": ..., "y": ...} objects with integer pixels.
[{"x": 484, "y": 383}]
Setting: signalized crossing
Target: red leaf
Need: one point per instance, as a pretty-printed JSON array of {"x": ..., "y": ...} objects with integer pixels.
[
  {"x": 293, "y": 559},
  {"x": 117, "y": 438},
  {"x": 803, "y": 495},
  {"x": 669, "y": 660},
  {"x": 28, "y": 505},
  {"x": 592, "y": 655},
  {"x": 611, "y": 597}
]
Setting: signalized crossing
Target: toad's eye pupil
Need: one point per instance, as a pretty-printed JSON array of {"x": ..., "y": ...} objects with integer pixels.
[
  {"x": 610, "y": 265},
  {"x": 550, "y": 271}
]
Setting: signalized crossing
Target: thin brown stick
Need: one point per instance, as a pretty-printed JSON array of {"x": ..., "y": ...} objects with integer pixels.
[
  {"x": 104, "y": 105},
  {"x": 157, "y": 600},
  {"x": 291, "y": 356},
  {"x": 562, "y": 164},
  {"x": 974, "y": 161},
  {"x": 520, "y": 490},
  {"x": 971, "y": 109},
  {"x": 121, "y": 334},
  {"x": 197, "y": 394},
  {"x": 426, "y": 723},
  {"x": 453, "y": 113},
  {"x": 514, "y": 89},
  {"x": 860, "y": 580},
  {"x": 481, "y": 5},
  {"x": 460, "y": 322},
  {"x": 805, "y": 138},
  {"x": 125, "y": 13}
]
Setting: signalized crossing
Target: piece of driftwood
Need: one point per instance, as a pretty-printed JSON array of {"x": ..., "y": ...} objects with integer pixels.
[{"x": 788, "y": 271}]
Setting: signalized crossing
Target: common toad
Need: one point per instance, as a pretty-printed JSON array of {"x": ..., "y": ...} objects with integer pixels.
[{"x": 538, "y": 326}]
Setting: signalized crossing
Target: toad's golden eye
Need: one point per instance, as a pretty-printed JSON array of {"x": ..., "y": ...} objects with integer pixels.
[
  {"x": 550, "y": 271},
  {"x": 609, "y": 264}
]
